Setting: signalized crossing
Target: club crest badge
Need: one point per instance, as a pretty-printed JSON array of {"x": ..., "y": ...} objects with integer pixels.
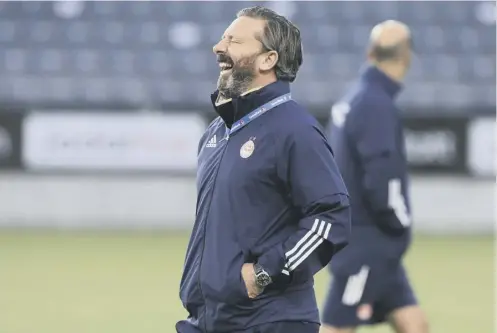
[{"x": 247, "y": 149}]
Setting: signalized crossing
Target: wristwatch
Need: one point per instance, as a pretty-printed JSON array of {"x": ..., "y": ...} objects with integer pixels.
[{"x": 262, "y": 278}]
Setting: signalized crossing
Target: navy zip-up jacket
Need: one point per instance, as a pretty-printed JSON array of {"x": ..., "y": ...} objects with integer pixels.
[
  {"x": 279, "y": 201},
  {"x": 366, "y": 134}
]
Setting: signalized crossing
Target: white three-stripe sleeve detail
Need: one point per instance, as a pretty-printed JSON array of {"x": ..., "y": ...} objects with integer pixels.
[
  {"x": 300, "y": 257},
  {"x": 327, "y": 231},
  {"x": 301, "y": 241},
  {"x": 307, "y": 244},
  {"x": 308, "y": 253}
]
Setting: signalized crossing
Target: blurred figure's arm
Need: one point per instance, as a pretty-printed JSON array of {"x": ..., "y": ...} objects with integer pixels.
[{"x": 375, "y": 139}]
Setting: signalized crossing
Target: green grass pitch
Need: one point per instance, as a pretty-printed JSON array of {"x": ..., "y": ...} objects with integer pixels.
[{"x": 55, "y": 282}]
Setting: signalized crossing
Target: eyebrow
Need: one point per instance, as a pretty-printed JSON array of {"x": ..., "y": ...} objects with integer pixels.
[
  {"x": 229, "y": 36},
  {"x": 235, "y": 38}
]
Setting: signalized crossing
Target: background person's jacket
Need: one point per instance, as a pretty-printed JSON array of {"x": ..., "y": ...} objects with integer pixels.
[
  {"x": 278, "y": 200},
  {"x": 367, "y": 137}
]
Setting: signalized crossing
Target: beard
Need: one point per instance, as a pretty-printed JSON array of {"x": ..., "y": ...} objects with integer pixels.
[{"x": 235, "y": 81}]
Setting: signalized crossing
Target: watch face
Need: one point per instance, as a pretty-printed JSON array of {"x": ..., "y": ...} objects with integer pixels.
[{"x": 263, "y": 279}]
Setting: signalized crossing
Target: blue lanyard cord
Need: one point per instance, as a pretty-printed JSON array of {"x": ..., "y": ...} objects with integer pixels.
[{"x": 238, "y": 125}]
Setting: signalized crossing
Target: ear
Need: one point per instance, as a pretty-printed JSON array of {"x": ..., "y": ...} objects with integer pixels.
[
  {"x": 269, "y": 61},
  {"x": 370, "y": 54}
]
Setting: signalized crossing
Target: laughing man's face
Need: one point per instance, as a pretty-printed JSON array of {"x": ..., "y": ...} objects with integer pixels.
[{"x": 237, "y": 54}]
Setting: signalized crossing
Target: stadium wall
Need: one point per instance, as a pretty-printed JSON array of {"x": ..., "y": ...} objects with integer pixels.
[
  {"x": 115, "y": 170},
  {"x": 441, "y": 204}
]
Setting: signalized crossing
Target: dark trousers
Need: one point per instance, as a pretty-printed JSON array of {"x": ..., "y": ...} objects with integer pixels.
[
  {"x": 278, "y": 327},
  {"x": 284, "y": 327}
]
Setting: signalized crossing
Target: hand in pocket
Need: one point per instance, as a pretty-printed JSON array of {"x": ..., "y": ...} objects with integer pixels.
[{"x": 248, "y": 276}]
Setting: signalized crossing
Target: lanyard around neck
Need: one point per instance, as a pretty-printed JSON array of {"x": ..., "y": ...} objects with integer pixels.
[{"x": 238, "y": 125}]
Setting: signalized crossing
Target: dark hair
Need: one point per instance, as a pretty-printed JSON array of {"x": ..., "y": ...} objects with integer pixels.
[{"x": 282, "y": 36}]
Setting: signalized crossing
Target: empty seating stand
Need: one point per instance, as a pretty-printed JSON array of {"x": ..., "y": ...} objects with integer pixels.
[{"x": 158, "y": 53}]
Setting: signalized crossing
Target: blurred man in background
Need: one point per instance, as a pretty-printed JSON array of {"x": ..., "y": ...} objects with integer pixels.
[
  {"x": 369, "y": 283},
  {"x": 272, "y": 208}
]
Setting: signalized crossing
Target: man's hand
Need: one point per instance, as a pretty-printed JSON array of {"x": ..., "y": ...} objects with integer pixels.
[{"x": 248, "y": 275}]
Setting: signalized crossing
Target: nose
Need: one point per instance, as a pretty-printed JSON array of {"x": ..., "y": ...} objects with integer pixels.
[{"x": 220, "y": 47}]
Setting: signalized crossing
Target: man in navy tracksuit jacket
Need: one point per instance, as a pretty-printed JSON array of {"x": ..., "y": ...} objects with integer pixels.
[
  {"x": 272, "y": 208},
  {"x": 369, "y": 282}
]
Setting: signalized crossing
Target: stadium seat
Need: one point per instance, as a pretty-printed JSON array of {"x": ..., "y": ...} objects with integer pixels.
[{"x": 157, "y": 52}]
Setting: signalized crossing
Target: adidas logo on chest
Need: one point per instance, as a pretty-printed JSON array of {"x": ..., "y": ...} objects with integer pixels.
[{"x": 212, "y": 143}]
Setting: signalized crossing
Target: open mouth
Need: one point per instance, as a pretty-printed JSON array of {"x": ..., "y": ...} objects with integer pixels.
[{"x": 225, "y": 67}]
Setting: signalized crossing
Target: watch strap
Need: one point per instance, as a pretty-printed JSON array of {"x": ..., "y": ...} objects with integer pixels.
[{"x": 258, "y": 269}]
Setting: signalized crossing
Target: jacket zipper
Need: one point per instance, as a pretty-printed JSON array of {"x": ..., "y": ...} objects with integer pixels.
[{"x": 205, "y": 231}]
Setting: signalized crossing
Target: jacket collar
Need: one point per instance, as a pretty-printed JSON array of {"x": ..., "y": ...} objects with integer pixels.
[
  {"x": 234, "y": 109},
  {"x": 373, "y": 75}
]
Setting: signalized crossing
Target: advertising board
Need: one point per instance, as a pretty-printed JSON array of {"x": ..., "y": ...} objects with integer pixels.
[{"x": 103, "y": 141}]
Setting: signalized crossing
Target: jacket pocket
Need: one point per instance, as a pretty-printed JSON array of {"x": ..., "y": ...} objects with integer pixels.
[{"x": 222, "y": 281}]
